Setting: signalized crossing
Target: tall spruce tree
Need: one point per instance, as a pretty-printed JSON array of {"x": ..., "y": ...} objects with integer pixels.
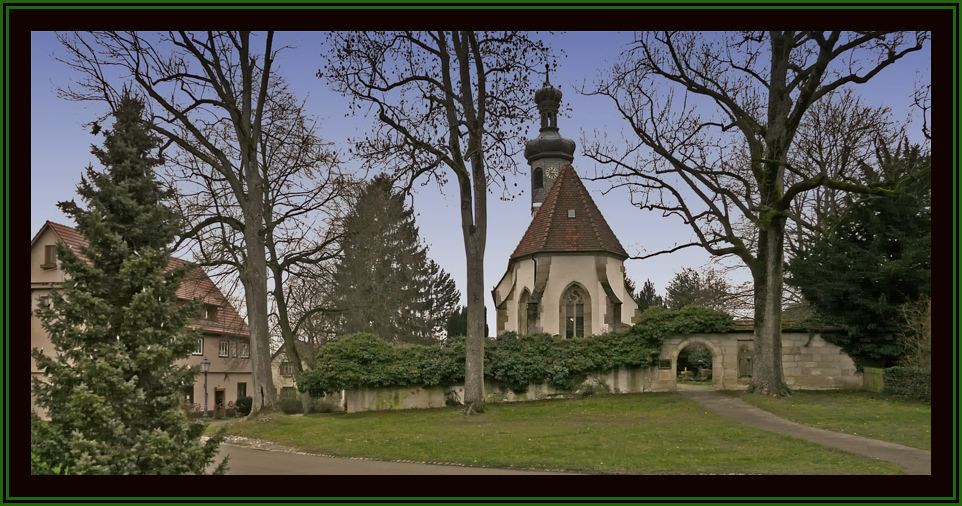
[
  {"x": 113, "y": 387},
  {"x": 383, "y": 280}
]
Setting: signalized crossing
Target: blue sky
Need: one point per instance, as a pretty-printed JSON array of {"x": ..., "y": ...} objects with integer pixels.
[{"x": 56, "y": 166}]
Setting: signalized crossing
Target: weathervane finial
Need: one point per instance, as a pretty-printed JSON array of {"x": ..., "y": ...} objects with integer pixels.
[{"x": 547, "y": 74}]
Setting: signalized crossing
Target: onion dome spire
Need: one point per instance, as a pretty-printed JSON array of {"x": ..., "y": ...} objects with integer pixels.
[{"x": 549, "y": 144}]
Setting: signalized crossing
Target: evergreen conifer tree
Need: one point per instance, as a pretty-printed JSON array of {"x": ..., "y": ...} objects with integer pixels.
[
  {"x": 113, "y": 388},
  {"x": 443, "y": 298},
  {"x": 385, "y": 284},
  {"x": 646, "y": 297},
  {"x": 874, "y": 258}
]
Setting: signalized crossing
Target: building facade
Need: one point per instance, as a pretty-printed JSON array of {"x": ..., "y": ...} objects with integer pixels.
[
  {"x": 224, "y": 337},
  {"x": 282, "y": 366},
  {"x": 567, "y": 275}
]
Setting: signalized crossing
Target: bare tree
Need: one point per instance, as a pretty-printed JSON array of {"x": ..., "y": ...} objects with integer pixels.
[
  {"x": 842, "y": 138},
  {"x": 304, "y": 190},
  {"x": 448, "y": 104},
  {"x": 195, "y": 84},
  {"x": 716, "y": 116}
]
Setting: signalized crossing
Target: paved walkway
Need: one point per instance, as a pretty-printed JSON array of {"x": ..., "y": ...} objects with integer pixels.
[{"x": 913, "y": 460}]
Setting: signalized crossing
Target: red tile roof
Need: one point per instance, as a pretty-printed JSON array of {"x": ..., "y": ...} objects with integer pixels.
[
  {"x": 551, "y": 229},
  {"x": 195, "y": 284},
  {"x": 70, "y": 237}
]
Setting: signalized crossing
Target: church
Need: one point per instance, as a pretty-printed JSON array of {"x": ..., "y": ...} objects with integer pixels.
[{"x": 567, "y": 275}]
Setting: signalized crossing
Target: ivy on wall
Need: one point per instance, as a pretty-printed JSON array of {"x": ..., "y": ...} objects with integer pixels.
[{"x": 365, "y": 360}]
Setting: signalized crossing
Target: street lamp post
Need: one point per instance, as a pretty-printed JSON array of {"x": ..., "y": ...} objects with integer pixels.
[{"x": 205, "y": 368}]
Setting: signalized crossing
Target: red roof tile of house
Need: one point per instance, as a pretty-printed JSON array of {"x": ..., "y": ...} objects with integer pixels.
[
  {"x": 552, "y": 230},
  {"x": 196, "y": 284},
  {"x": 70, "y": 237}
]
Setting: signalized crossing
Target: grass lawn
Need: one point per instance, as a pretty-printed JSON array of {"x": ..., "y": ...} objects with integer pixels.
[
  {"x": 642, "y": 433},
  {"x": 866, "y": 414}
]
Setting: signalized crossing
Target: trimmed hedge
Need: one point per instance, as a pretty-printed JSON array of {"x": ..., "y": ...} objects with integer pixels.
[
  {"x": 910, "y": 382},
  {"x": 364, "y": 360}
]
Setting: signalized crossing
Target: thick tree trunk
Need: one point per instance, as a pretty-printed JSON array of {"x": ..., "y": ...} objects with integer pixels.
[
  {"x": 474, "y": 341},
  {"x": 475, "y": 235},
  {"x": 254, "y": 278},
  {"x": 767, "y": 374}
]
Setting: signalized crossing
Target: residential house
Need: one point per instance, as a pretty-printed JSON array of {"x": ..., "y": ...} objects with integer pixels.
[
  {"x": 283, "y": 368},
  {"x": 224, "y": 341}
]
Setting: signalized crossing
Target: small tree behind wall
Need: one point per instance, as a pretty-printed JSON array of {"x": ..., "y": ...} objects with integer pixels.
[{"x": 113, "y": 387}]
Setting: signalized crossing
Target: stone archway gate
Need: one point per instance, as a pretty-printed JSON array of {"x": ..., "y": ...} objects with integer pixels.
[{"x": 808, "y": 361}]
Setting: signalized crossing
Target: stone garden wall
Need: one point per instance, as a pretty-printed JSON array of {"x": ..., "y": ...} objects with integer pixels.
[
  {"x": 811, "y": 363},
  {"x": 808, "y": 361}
]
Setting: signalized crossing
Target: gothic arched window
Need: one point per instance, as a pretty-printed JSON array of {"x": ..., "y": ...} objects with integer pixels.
[
  {"x": 523, "y": 313},
  {"x": 574, "y": 313}
]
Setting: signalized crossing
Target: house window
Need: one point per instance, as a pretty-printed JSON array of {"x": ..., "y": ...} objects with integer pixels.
[
  {"x": 245, "y": 350},
  {"x": 241, "y": 390},
  {"x": 233, "y": 350},
  {"x": 199, "y": 347},
  {"x": 224, "y": 349},
  {"x": 210, "y": 313},
  {"x": 287, "y": 369},
  {"x": 49, "y": 256},
  {"x": 574, "y": 313}
]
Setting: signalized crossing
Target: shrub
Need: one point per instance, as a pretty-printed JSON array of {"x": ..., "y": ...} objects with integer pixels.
[
  {"x": 910, "y": 382},
  {"x": 915, "y": 334},
  {"x": 326, "y": 406},
  {"x": 291, "y": 406},
  {"x": 290, "y": 402},
  {"x": 364, "y": 360},
  {"x": 244, "y": 405}
]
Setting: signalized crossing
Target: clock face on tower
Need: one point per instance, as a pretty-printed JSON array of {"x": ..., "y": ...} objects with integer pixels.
[{"x": 552, "y": 172}]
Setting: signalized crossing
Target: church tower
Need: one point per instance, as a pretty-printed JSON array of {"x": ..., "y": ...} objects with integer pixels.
[{"x": 547, "y": 153}]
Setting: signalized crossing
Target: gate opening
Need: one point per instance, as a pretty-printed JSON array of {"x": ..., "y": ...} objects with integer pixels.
[{"x": 694, "y": 365}]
